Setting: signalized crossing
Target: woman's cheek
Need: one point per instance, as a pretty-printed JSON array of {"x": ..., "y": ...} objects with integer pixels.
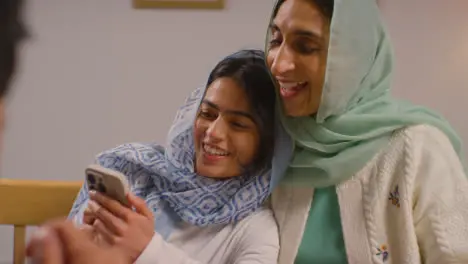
[
  {"x": 198, "y": 130},
  {"x": 269, "y": 59},
  {"x": 247, "y": 147}
]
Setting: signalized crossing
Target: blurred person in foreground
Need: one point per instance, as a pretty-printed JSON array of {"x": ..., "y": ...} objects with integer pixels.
[{"x": 59, "y": 241}]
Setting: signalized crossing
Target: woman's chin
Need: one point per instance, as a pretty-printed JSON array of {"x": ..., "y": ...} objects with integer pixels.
[
  {"x": 295, "y": 110},
  {"x": 214, "y": 172},
  {"x": 298, "y": 112}
]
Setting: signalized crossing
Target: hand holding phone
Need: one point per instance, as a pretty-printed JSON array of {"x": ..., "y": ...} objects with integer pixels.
[{"x": 111, "y": 183}]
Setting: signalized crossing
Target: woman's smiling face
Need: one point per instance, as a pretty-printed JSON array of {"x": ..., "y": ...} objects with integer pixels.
[
  {"x": 297, "y": 55},
  {"x": 226, "y": 133}
]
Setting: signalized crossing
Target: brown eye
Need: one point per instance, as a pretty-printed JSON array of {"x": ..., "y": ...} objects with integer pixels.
[
  {"x": 207, "y": 115},
  {"x": 305, "y": 47},
  {"x": 275, "y": 40},
  {"x": 239, "y": 125},
  {"x": 273, "y": 44},
  {"x": 307, "y": 50}
]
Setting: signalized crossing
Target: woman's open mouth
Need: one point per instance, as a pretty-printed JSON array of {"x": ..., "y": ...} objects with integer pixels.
[
  {"x": 213, "y": 153},
  {"x": 291, "y": 89}
]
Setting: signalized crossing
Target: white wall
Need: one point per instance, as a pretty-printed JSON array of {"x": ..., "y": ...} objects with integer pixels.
[
  {"x": 99, "y": 73},
  {"x": 431, "y": 43}
]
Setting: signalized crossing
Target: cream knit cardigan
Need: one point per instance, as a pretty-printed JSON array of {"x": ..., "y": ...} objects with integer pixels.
[{"x": 409, "y": 204}]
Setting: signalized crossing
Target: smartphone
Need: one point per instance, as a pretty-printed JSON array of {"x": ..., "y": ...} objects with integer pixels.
[{"x": 111, "y": 183}]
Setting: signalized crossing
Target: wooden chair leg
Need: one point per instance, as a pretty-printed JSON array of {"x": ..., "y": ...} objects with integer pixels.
[{"x": 19, "y": 244}]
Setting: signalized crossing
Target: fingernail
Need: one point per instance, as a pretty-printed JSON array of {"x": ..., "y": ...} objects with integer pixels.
[
  {"x": 92, "y": 193},
  {"x": 93, "y": 206}
]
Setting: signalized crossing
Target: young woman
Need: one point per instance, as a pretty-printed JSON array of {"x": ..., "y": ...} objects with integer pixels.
[
  {"x": 204, "y": 192},
  {"x": 368, "y": 179}
]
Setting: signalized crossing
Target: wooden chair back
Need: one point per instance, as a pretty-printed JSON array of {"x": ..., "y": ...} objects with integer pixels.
[{"x": 31, "y": 203}]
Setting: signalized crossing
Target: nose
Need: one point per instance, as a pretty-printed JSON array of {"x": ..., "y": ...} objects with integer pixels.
[
  {"x": 217, "y": 131},
  {"x": 283, "y": 61}
]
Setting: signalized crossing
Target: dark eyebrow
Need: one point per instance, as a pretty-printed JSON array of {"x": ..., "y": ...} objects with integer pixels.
[
  {"x": 232, "y": 112},
  {"x": 299, "y": 32}
]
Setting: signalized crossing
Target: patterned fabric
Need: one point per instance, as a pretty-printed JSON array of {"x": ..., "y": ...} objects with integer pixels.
[{"x": 166, "y": 179}]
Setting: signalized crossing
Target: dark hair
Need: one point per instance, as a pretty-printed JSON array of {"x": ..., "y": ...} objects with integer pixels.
[
  {"x": 11, "y": 33},
  {"x": 325, "y": 7},
  {"x": 249, "y": 70}
]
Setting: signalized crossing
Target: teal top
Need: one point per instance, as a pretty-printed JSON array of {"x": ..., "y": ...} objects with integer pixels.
[
  {"x": 323, "y": 237},
  {"x": 355, "y": 120}
]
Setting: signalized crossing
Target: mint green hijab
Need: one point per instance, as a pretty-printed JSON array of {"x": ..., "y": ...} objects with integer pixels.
[{"x": 357, "y": 114}]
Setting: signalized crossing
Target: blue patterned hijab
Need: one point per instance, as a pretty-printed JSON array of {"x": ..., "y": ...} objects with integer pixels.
[{"x": 165, "y": 178}]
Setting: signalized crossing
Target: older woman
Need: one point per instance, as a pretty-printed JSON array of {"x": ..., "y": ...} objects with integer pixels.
[{"x": 368, "y": 179}]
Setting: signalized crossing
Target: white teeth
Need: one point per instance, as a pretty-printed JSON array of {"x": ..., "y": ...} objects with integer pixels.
[
  {"x": 290, "y": 85},
  {"x": 214, "y": 151}
]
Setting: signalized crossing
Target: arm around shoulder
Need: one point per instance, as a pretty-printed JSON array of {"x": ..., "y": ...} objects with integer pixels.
[{"x": 440, "y": 207}]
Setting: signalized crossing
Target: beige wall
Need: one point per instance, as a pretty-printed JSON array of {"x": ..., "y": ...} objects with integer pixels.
[{"x": 431, "y": 43}]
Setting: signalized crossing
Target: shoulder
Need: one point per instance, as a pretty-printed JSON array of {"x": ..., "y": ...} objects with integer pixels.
[
  {"x": 430, "y": 168},
  {"x": 425, "y": 137},
  {"x": 262, "y": 219},
  {"x": 257, "y": 238},
  {"x": 422, "y": 162},
  {"x": 259, "y": 226},
  {"x": 419, "y": 144}
]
